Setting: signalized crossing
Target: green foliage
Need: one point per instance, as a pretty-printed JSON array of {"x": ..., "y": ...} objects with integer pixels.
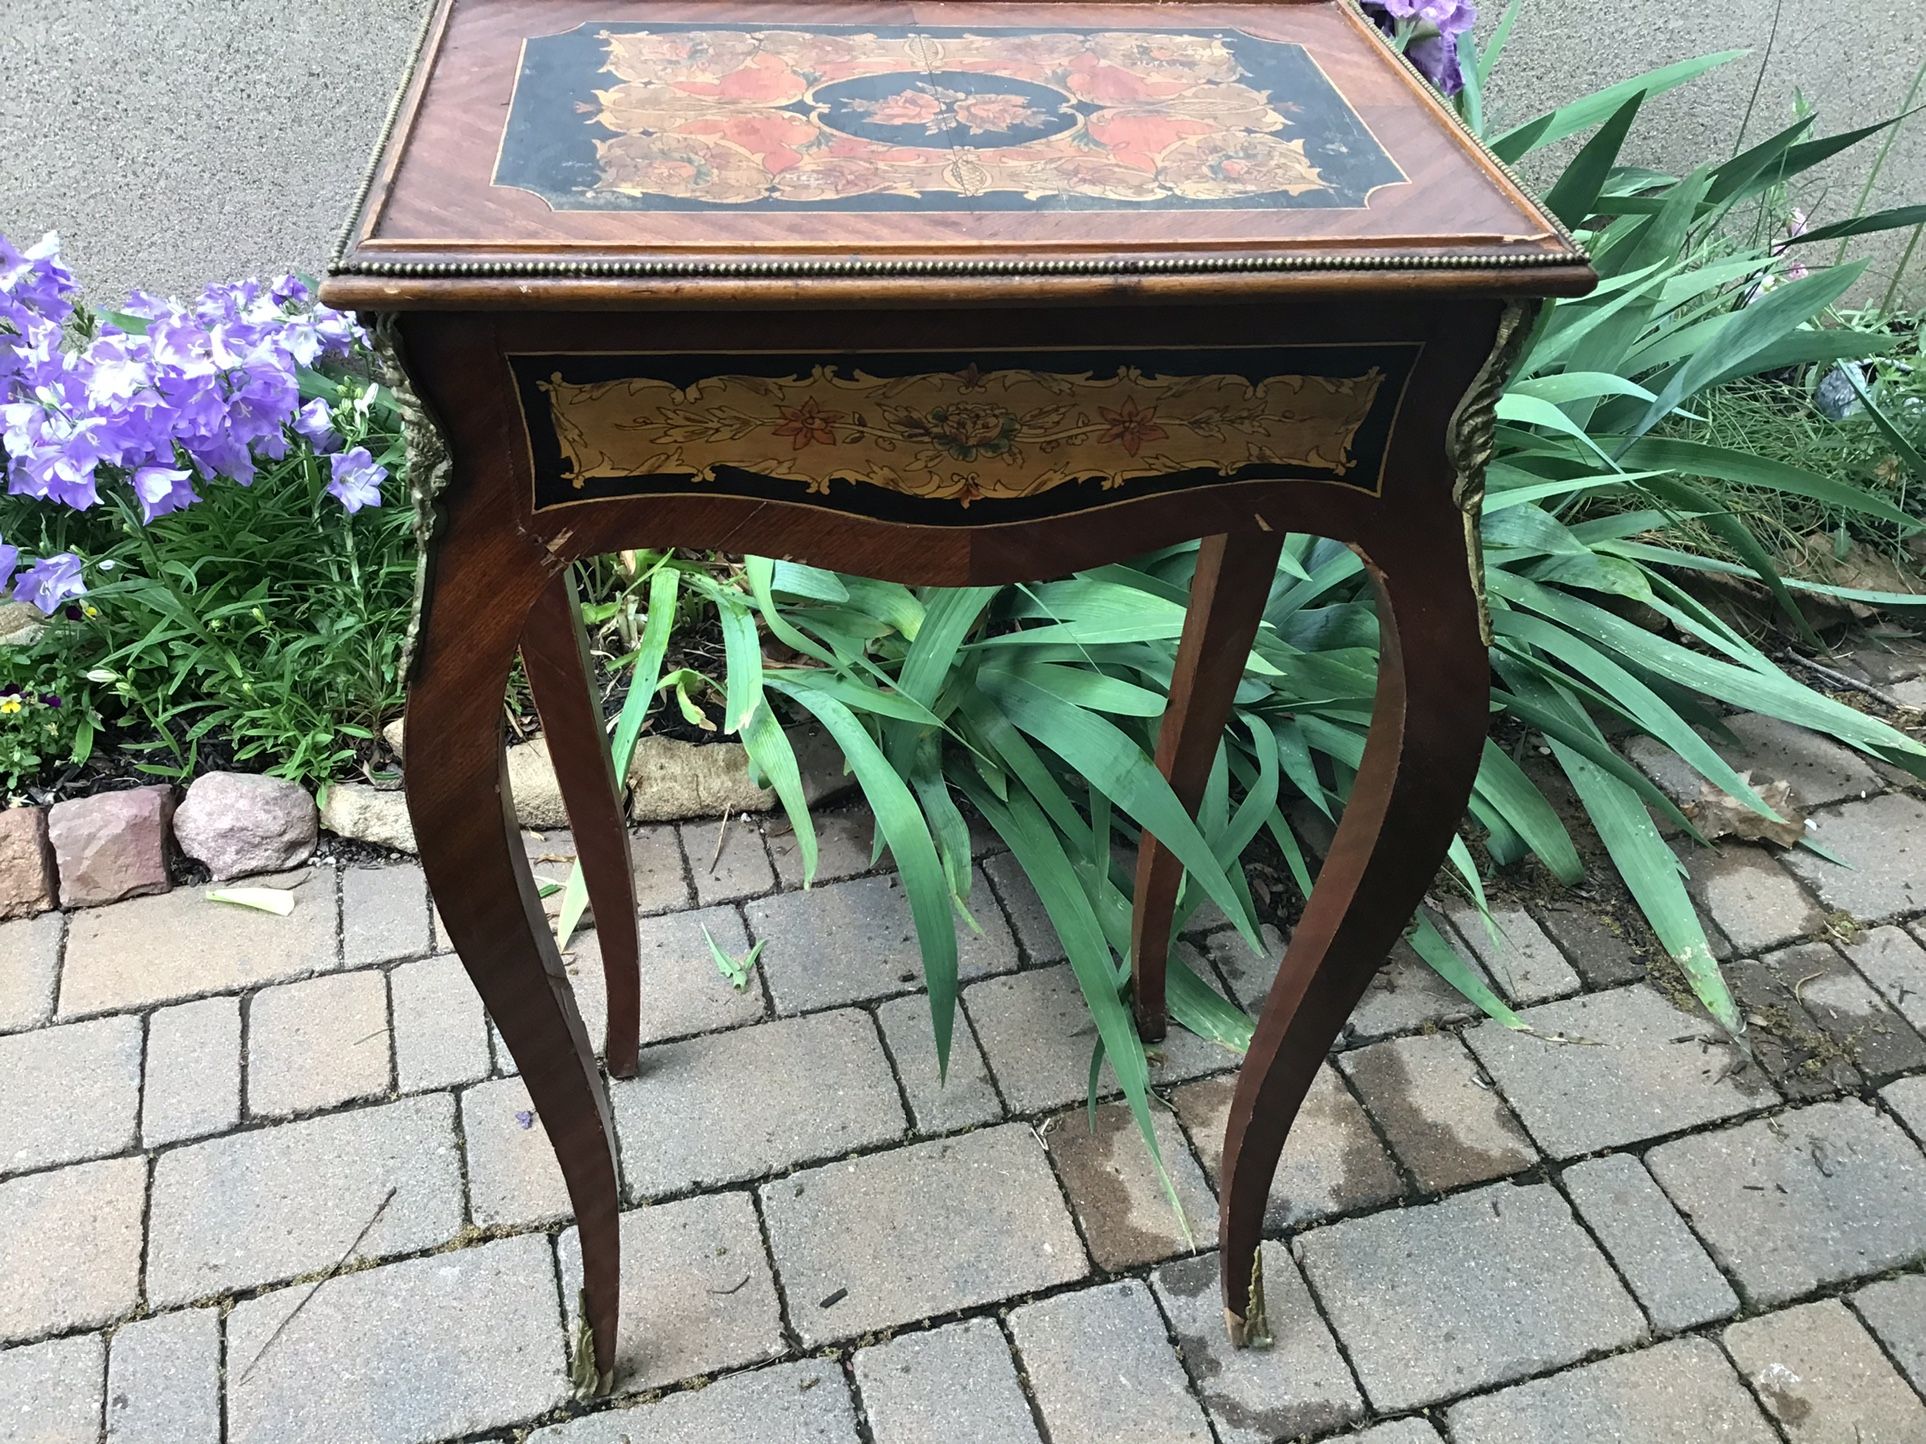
[
  {"x": 264, "y": 619},
  {"x": 47, "y": 717},
  {"x": 1039, "y": 704},
  {"x": 1776, "y": 422}
]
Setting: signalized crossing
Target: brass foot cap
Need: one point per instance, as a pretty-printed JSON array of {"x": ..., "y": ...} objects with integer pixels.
[{"x": 1245, "y": 1333}]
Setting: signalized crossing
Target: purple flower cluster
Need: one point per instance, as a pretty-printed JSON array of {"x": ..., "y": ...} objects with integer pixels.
[
  {"x": 1428, "y": 31},
  {"x": 183, "y": 396}
]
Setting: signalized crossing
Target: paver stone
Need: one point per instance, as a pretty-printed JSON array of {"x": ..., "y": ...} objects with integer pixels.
[
  {"x": 317, "y": 1043},
  {"x": 1444, "y": 1121},
  {"x": 1503, "y": 1274},
  {"x": 1895, "y": 1310},
  {"x": 513, "y": 1178},
  {"x": 1755, "y": 902},
  {"x": 275, "y": 1203},
  {"x": 1521, "y": 959},
  {"x": 938, "y": 1105},
  {"x": 1819, "y": 1373},
  {"x": 441, "y": 1031},
  {"x": 164, "y": 1380},
  {"x": 736, "y": 1105},
  {"x": 1332, "y": 1162},
  {"x": 1139, "y": 1394},
  {"x": 384, "y": 914},
  {"x": 947, "y": 1225},
  {"x": 70, "y": 1248},
  {"x": 800, "y": 1403},
  {"x": 1036, "y": 1032},
  {"x": 1813, "y": 1197},
  {"x": 1113, "y": 1187},
  {"x": 193, "y": 1071},
  {"x": 1651, "y": 1069},
  {"x": 1883, "y": 839},
  {"x": 1682, "y": 1390},
  {"x": 953, "y": 1385},
  {"x": 1668, "y": 1269},
  {"x": 69, "y": 1093},
  {"x": 29, "y": 963},
  {"x": 848, "y": 942},
  {"x": 1297, "y": 1387},
  {"x": 697, "y": 1294},
  {"x": 163, "y": 949},
  {"x": 425, "y": 1349},
  {"x": 51, "y": 1393}
]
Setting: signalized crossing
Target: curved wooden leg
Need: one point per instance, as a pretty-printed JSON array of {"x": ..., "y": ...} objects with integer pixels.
[
  {"x": 555, "y": 656},
  {"x": 1427, "y": 733},
  {"x": 1227, "y": 596},
  {"x": 471, "y": 850}
]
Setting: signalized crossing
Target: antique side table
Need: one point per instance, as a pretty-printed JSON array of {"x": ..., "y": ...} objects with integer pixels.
[{"x": 945, "y": 293}]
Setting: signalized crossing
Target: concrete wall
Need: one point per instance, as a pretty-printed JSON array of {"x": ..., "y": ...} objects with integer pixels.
[
  {"x": 1852, "y": 61},
  {"x": 176, "y": 141}
]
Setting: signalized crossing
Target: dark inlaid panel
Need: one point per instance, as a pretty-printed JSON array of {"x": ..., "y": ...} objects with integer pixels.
[
  {"x": 677, "y": 117},
  {"x": 964, "y": 440}
]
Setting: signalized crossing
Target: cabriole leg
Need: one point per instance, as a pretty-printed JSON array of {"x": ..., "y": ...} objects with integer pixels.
[
  {"x": 470, "y": 847},
  {"x": 1227, "y": 596},
  {"x": 1427, "y": 733},
  {"x": 555, "y": 656}
]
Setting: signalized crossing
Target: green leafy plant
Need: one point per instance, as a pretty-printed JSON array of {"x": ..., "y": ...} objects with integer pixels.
[
  {"x": 266, "y": 618},
  {"x": 735, "y": 971},
  {"x": 190, "y": 485},
  {"x": 1038, "y": 705},
  {"x": 47, "y": 717}
]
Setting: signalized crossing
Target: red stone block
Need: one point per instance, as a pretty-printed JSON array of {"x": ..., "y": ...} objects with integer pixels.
[
  {"x": 26, "y": 863},
  {"x": 112, "y": 845}
]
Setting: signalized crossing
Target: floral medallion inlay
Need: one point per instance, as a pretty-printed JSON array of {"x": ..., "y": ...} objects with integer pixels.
[
  {"x": 673, "y": 117},
  {"x": 1036, "y": 435}
]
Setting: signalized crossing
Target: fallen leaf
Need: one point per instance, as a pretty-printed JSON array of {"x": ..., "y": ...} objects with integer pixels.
[
  {"x": 1717, "y": 814},
  {"x": 279, "y": 901}
]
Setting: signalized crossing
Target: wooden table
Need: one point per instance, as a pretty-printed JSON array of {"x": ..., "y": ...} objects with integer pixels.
[{"x": 947, "y": 294}]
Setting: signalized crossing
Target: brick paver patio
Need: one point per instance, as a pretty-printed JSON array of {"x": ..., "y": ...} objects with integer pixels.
[{"x": 1481, "y": 1237}]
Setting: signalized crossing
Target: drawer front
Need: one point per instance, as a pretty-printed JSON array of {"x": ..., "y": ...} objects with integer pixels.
[{"x": 939, "y": 438}]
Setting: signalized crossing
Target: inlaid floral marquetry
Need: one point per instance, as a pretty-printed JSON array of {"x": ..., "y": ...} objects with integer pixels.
[
  {"x": 1027, "y": 434},
  {"x": 666, "y": 117}
]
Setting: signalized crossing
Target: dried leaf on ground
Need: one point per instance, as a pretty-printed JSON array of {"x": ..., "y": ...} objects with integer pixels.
[{"x": 1716, "y": 814}]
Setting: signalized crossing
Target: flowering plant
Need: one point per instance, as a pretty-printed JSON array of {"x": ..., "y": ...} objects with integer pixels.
[
  {"x": 156, "y": 401},
  {"x": 190, "y": 495},
  {"x": 1427, "y": 32}
]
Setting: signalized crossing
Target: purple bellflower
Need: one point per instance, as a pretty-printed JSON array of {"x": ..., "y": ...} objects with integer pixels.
[
  {"x": 49, "y": 582},
  {"x": 172, "y": 395},
  {"x": 357, "y": 479},
  {"x": 314, "y": 424},
  {"x": 1427, "y": 31}
]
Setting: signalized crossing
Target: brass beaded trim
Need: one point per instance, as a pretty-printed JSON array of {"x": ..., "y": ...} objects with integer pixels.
[
  {"x": 1058, "y": 266},
  {"x": 341, "y": 265}
]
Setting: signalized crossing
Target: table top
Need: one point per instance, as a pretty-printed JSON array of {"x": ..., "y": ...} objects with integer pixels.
[{"x": 546, "y": 149}]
